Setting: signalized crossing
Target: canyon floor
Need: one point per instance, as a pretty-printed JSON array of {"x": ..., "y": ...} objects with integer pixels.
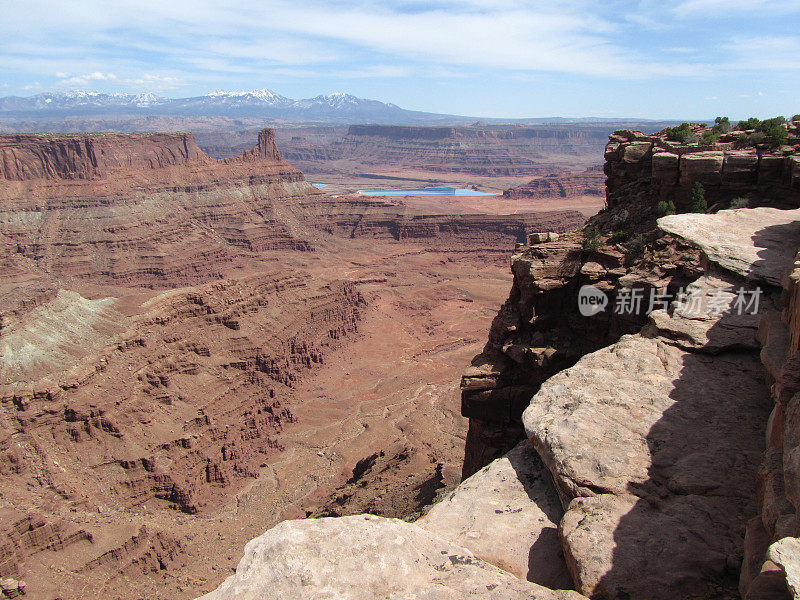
[{"x": 387, "y": 399}]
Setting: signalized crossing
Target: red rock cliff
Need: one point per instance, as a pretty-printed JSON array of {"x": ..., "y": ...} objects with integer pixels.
[{"x": 89, "y": 156}]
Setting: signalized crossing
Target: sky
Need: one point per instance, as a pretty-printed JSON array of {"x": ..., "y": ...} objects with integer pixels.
[{"x": 674, "y": 59}]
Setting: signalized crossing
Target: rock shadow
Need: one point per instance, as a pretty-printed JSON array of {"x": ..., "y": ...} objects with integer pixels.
[
  {"x": 543, "y": 567},
  {"x": 683, "y": 536}
]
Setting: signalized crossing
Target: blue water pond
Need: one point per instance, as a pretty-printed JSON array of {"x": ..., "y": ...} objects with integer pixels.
[
  {"x": 319, "y": 186},
  {"x": 431, "y": 191}
]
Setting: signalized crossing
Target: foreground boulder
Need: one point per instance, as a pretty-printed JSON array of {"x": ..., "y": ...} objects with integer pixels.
[
  {"x": 367, "y": 557},
  {"x": 657, "y": 448},
  {"x": 507, "y": 514}
]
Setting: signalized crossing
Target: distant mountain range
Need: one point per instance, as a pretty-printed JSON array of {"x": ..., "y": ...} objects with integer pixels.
[
  {"x": 262, "y": 104},
  {"x": 338, "y": 107}
]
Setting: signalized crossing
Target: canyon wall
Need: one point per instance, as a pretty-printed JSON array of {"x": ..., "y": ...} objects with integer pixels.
[
  {"x": 149, "y": 211},
  {"x": 541, "y": 347},
  {"x": 89, "y": 156},
  {"x": 665, "y": 170},
  {"x": 541, "y": 315},
  {"x": 491, "y": 151},
  {"x": 588, "y": 183},
  {"x": 771, "y": 560}
]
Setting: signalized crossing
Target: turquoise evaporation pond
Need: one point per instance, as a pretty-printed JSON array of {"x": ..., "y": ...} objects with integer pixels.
[
  {"x": 431, "y": 191},
  {"x": 319, "y": 186}
]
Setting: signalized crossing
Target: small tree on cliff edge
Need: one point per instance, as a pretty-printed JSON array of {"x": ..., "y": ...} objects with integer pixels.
[
  {"x": 698, "y": 203},
  {"x": 591, "y": 238}
]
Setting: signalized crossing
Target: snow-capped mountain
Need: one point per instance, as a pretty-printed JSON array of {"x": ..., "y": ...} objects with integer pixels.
[
  {"x": 263, "y": 97},
  {"x": 340, "y": 101},
  {"x": 82, "y": 99},
  {"x": 263, "y": 103}
]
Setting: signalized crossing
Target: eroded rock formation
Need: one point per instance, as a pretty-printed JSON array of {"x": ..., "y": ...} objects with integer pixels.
[
  {"x": 654, "y": 168},
  {"x": 89, "y": 156},
  {"x": 589, "y": 183}
]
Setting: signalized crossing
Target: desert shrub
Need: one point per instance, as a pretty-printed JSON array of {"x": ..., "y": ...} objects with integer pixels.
[
  {"x": 750, "y": 123},
  {"x": 721, "y": 125},
  {"x": 664, "y": 208},
  {"x": 774, "y": 130},
  {"x": 698, "y": 200},
  {"x": 709, "y": 138},
  {"x": 620, "y": 235},
  {"x": 591, "y": 238},
  {"x": 682, "y": 133},
  {"x": 769, "y": 131},
  {"x": 740, "y": 202}
]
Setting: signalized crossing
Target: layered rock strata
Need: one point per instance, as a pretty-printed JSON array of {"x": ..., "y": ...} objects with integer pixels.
[
  {"x": 480, "y": 150},
  {"x": 160, "y": 312},
  {"x": 540, "y": 331},
  {"x": 151, "y": 210},
  {"x": 587, "y": 183},
  {"x": 180, "y": 411},
  {"x": 652, "y": 168}
]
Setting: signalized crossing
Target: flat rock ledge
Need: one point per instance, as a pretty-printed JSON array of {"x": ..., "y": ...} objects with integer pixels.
[
  {"x": 366, "y": 557},
  {"x": 755, "y": 243}
]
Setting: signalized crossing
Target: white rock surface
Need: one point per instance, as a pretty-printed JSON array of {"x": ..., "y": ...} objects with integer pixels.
[
  {"x": 757, "y": 243},
  {"x": 786, "y": 554},
  {"x": 695, "y": 324},
  {"x": 507, "y": 514},
  {"x": 660, "y": 446},
  {"x": 367, "y": 558}
]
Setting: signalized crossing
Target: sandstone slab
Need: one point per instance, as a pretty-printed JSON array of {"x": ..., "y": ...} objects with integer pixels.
[
  {"x": 702, "y": 166},
  {"x": 662, "y": 444},
  {"x": 712, "y": 316},
  {"x": 367, "y": 557},
  {"x": 621, "y": 546},
  {"x": 757, "y": 243},
  {"x": 507, "y": 514},
  {"x": 643, "y": 408}
]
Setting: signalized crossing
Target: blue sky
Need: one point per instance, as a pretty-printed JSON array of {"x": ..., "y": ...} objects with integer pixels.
[{"x": 656, "y": 59}]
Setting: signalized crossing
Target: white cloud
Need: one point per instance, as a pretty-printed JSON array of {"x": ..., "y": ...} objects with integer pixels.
[
  {"x": 285, "y": 51},
  {"x": 691, "y": 8},
  {"x": 570, "y": 37},
  {"x": 150, "y": 82},
  {"x": 82, "y": 81},
  {"x": 94, "y": 44},
  {"x": 773, "y": 53},
  {"x": 373, "y": 72}
]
